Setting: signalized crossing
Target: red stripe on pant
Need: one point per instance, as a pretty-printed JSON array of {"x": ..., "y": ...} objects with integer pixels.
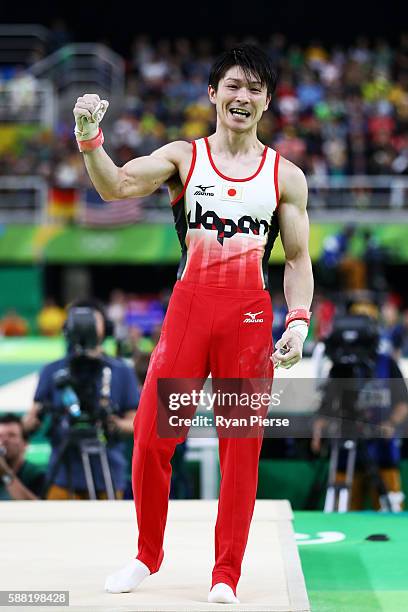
[{"x": 205, "y": 329}]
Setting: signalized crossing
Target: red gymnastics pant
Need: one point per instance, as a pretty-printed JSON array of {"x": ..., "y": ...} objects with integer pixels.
[{"x": 204, "y": 331}]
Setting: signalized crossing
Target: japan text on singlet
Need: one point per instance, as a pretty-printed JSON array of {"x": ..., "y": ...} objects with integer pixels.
[{"x": 227, "y": 226}]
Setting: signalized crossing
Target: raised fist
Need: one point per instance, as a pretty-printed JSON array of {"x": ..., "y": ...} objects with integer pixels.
[{"x": 88, "y": 112}]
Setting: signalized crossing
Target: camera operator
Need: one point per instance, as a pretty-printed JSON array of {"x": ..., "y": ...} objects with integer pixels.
[
  {"x": 379, "y": 410},
  {"x": 19, "y": 479},
  {"x": 87, "y": 388}
]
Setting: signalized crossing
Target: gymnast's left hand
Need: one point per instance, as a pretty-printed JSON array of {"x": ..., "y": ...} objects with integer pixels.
[{"x": 288, "y": 350}]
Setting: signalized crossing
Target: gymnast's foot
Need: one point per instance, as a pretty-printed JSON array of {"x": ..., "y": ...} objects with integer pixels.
[
  {"x": 127, "y": 578},
  {"x": 222, "y": 593}
]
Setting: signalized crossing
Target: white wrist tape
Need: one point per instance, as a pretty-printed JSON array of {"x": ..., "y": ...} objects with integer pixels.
[
  {"x": 301, "y": 328},
  {"x": 100, "y": 110}
]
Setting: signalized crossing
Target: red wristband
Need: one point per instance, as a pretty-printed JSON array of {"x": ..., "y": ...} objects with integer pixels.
[
  {"x": 298, "y": 314},
  {"x": 90, "y": 145}
]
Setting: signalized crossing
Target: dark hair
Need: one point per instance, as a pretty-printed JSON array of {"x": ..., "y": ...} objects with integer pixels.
[
  {"x": 10, "y": 417},
  {"x": 95, "y": 304},
  {"x": 252, "y": 60},
  {"x": 92, "y": 303}
]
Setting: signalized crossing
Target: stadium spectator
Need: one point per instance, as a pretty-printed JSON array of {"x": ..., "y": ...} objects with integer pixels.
[
  {"x": 324, "y": 311},
  {"x": 335, "y": 250},
  {"x": 19, "y": 479},
  {"x": 12, "y": 324},
  {"x": 22, "y": 90},
  {"x": 51, "y": 318},
  {"x": 392, "y": 330},
  {"x": 68, "y": 172},
  {"x": 116, "y": 312},
  {"x": 134, "y": 342},
  {"x": 336, "y": 112}
]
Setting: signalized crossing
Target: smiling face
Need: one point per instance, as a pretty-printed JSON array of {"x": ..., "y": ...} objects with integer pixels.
[{"x": 240, "y": 102}]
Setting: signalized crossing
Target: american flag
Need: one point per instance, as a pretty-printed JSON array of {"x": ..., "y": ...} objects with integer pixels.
[{"x": 94, "y": 212}]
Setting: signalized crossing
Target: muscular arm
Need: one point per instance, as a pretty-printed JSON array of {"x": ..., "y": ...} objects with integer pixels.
[
  {"x": 139, "y": 177},
  {"x": 298, "y": 277},
  {"x": 294, "y": 229}
]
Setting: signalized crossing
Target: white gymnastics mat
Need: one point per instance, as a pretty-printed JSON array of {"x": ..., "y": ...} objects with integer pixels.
[{"x": 74, "y": 545}]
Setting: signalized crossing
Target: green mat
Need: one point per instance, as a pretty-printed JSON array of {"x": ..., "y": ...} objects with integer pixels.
[{"x": 355, "y": 575}]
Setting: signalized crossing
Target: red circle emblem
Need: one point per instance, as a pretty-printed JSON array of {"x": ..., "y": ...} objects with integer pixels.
[{"x": 232, "y": 192}]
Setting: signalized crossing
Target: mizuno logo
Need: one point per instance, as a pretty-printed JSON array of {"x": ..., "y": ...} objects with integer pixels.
[
  {"x": 251, "y": 317},
  {"x": 203, "y": 190},
  {"x": 226, "y": 228}
]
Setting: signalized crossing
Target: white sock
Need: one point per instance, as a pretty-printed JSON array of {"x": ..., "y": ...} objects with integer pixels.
[
  {"x": 127, "y": 578},
  {"x": 222, "y": 593}
]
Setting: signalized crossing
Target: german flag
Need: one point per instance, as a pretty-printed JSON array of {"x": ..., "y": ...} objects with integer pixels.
[{"x": 63, "y": 204}]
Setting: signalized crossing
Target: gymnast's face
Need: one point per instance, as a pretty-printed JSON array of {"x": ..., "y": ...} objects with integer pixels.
[{"x": 240, "y": 100}]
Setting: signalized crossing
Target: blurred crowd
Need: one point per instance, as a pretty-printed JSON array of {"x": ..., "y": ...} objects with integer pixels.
[
  {"x": 336, "y": 111},
  {"x": 137, "y": 321}
]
